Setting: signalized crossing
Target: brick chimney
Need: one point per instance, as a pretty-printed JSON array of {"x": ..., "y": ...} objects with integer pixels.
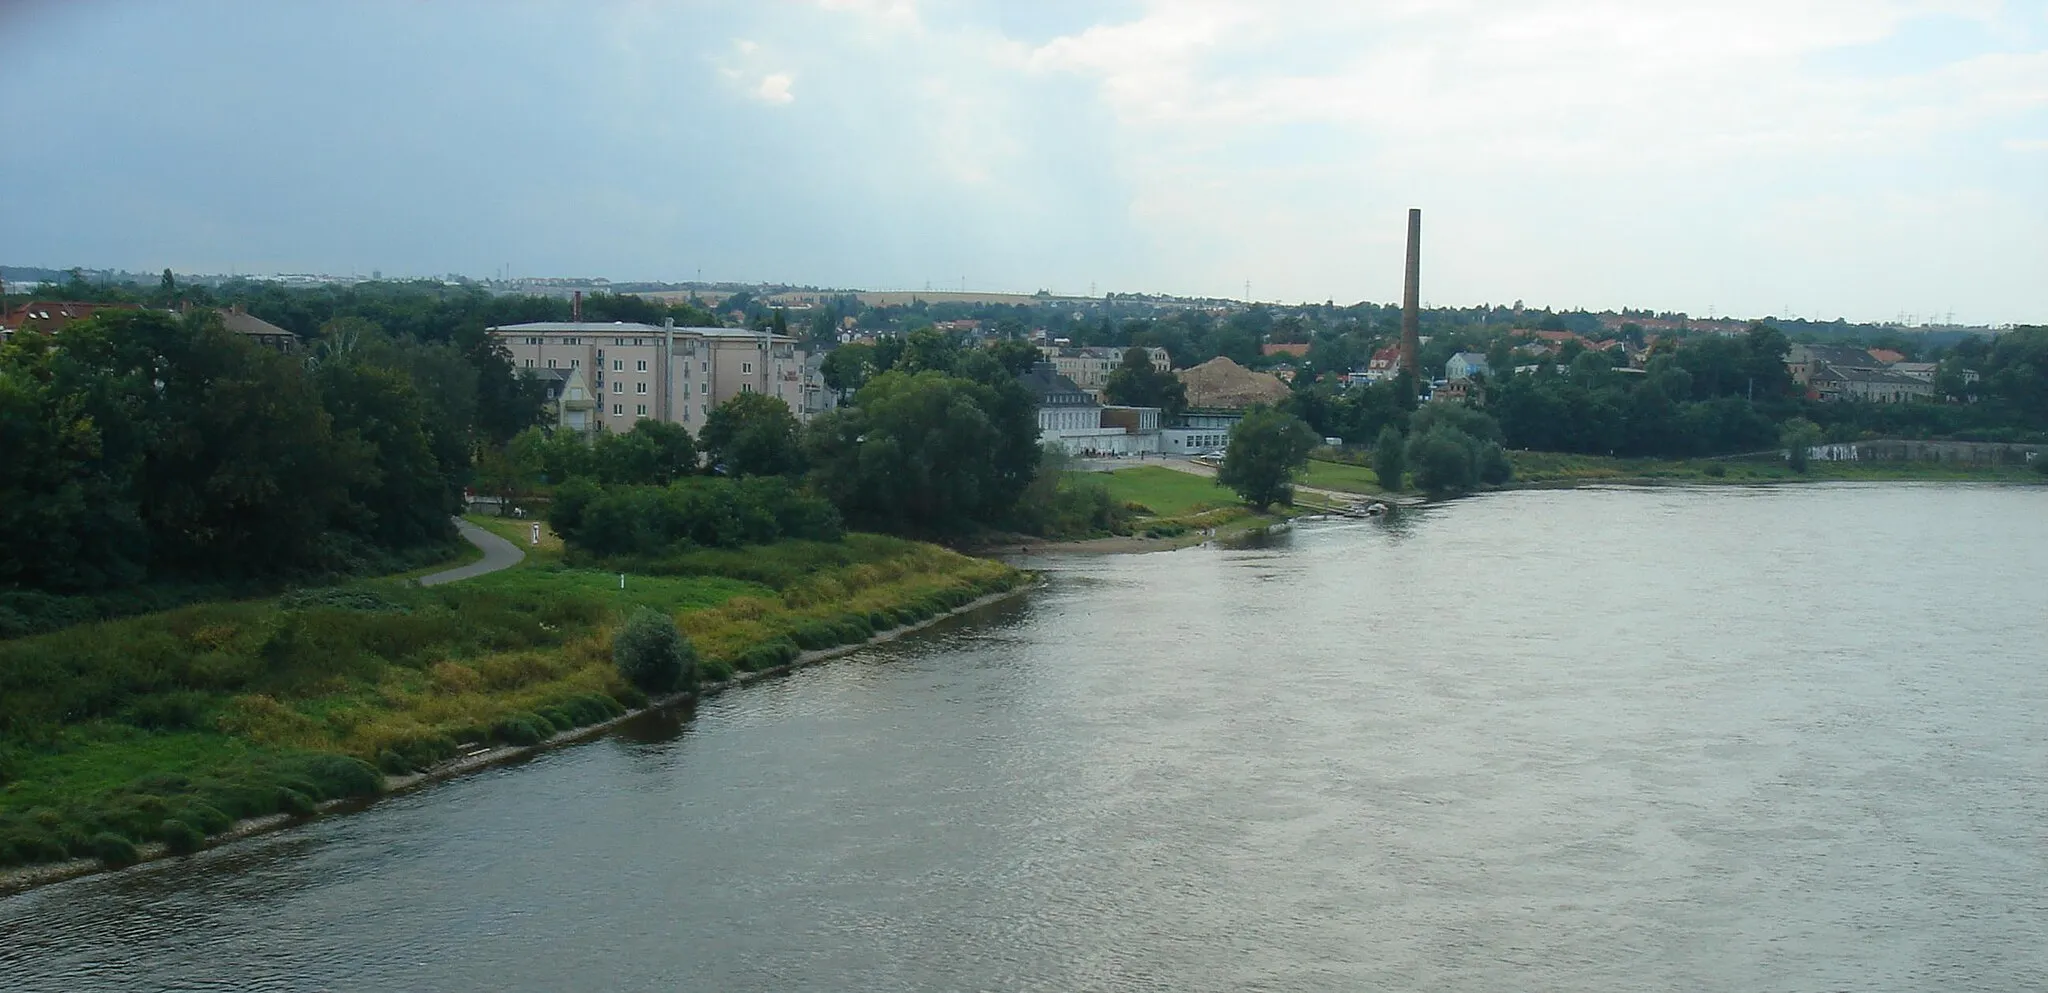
[
  {"x": 1411, "y": 294},
  {"x": 576, "y": 307}
]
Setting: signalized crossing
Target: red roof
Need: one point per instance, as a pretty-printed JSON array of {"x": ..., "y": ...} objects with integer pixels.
[
  {"x": 49, "y": 315},
  {"x": 1385, "y": 358},
  {"x": 1887, "y": 356},
  {"x": 1286, "y": 347}
]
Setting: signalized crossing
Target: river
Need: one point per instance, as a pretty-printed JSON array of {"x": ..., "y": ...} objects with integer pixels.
[{"x": 1790, "y": 738}]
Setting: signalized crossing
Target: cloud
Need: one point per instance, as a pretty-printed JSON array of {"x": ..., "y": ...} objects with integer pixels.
[
  {"x": 742, "y": 70},
  {"x": 774, "y": 88}
]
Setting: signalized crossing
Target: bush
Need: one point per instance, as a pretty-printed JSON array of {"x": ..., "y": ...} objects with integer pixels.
[
  {"x": 114, "y": 850},
  {"x": 181, "y": 838},
  {"x": 557, "y": 717},
  {"x": 392, "y": 763},
  {"x": 295, "y": 802},
  {"x": 717, "y": 671},
  {"x": 520, "y": 729},
  {"x": 339, "y": 776},
  {"x": 651, "y": 652},
  {"x": 1716, "y": 471}
]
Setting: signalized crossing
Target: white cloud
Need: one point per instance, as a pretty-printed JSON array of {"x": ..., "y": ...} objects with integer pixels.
[{"x": 774, "y": 88}]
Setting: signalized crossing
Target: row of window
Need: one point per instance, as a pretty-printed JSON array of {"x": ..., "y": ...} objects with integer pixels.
[{"x": 640, "y": 410}]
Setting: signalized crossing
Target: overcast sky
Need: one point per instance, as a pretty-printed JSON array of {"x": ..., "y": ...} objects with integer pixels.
[{"x": 1824, "y": 158}]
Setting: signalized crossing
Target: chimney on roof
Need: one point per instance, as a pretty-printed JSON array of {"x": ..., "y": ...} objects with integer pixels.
[
  {"x": 1411, "y": 294},
  {"x": 576, "y": 307}
]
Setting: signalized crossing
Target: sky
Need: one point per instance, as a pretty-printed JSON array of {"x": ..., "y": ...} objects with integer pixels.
[{"x": 1861, "y": 159}]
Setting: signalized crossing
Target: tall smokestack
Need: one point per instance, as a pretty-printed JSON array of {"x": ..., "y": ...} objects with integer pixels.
[
  {"x": 1411, "y": 296},
  {"x": 576, "y": 301}
]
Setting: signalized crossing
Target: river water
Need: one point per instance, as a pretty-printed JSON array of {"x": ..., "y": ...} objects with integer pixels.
[{"x": 1791, "y": 738}]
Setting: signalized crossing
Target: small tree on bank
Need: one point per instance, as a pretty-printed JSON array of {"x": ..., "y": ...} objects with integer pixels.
[
  {"x": 1799, "y": 437},
  {"x": 1266, "y": 449},
  {"x": 651, "y": 652},
  {"x": 1388, "y": 462}
]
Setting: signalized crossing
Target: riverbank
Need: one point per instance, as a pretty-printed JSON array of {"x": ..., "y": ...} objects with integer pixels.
[
  {"x": 20, "y": 879},
  {"x": 176, "y": 730}
]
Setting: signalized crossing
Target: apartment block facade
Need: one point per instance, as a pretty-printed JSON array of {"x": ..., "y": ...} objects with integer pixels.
[{"x": 637, "y": 371}]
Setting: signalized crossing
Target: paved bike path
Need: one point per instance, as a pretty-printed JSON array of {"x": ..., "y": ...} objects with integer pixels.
[{"x": 498, "y": 554}]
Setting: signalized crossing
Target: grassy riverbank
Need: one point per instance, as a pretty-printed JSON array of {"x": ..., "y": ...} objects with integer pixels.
[
  {"x": 170, "y": 726},
  {"x": 1552, "y": 468}
]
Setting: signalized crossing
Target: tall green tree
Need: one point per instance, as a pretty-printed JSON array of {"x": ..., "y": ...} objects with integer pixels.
[
  {"x": 1137, "y": 383},
  {"x": 1266, "y": 449},
  {"x": 920, "y": 452},
  {"x": 1389, "y": 461},
  {"x": 753, "y": 434}
]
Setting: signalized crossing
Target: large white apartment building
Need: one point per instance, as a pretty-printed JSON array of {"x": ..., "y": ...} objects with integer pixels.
[{"x": 674, "y": 374}]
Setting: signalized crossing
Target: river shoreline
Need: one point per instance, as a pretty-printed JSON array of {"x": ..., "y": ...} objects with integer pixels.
[{"x": 22, "y": 879}]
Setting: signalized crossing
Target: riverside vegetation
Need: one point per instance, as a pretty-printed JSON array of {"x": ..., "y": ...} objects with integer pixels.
[
  {"x": 170, "y": 726},
  {"x": 166, "y": 453}
]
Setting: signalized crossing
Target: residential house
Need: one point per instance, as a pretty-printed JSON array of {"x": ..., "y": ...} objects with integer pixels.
[
  {"x": 1804, "y": 360},
  {"x": 1090, "y": 367},
  {"x": 673, "y": 374},
  {"x": 258, "y": 330},
  {"x": 1832, "y": 382},
  {"x": 569, "y": 398},
  {"x": 45, "y": 316},
  {"x": 1384, "y": 365},
  {"x": 1298, "y": 349},
  {"x": 1465, "y": 365}
]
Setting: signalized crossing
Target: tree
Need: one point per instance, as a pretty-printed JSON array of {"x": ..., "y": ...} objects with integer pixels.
[
  {"x": 1799, "y": 436},
  {"x": 653, "y": 453},
  {"x": 1453, "y": 449},
  {"x": 753, "y": 434},
  {"x": 651, "y": 652},
  {"x": 923, "y": 452},
  {"x": 1137, "y": 383},
  {"x": 1388, "y": 462},
  {"x": 847, "y": 368},
  {"x": 1266, "y": 449}
]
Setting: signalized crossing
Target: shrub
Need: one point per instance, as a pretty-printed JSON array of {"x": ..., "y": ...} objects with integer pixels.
[
  {"x": 520, "y": 729},
  {"x": 557, "y": 717},
  {"x": 392, "y": 763},
  {"x": 181, "y": 838},
  {"x": 878, "y": 621},
  {"x": 168, "y": 711},
  {"x": 114, "y": 850},
  {"x": 339, "y": 598},
  {"x": 338, "y": 776},
  {"x": 295, "y": 802},
  {"x": 717, "y": 671},
  {"x": 209, "y": 819},
  {"x": 1716, "y": 470},
  {"x": 651, "y": 652}
]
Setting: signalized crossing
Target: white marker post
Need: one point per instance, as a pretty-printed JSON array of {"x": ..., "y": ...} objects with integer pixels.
[
  {"x": 622, "y": 580},
  {"x": 536, "y": 534}
]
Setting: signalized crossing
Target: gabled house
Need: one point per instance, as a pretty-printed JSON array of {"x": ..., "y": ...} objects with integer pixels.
[{"x": 1465, "y": 365}]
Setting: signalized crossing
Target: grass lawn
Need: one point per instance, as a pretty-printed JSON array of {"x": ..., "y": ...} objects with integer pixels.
[
  {"x": 1340, "y": 476},
  {"x": 1167, "y": 492}
]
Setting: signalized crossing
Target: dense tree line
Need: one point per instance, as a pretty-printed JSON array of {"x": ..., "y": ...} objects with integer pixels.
[{"x": 144, "y": 446}]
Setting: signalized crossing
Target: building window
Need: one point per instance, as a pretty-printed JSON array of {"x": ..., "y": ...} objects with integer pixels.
[
  {"x": 640, "y": 388},
  {"x": 533, "y": 341},
  {"x": 618, "y": 387},
  {"x": 529, "y": 363},
  {"x": 618, "y": 365},
  {"x": 640, "y": 366},
  {"x": 618, "y": 410},
  {"x": 746, "y": 367},
  {"x": 640, "y": 410},
  {"x": 551, "y": 363},
  {"x": 575, "y": 363},
  {"x": 600, "y": 353},
  {"x": 746, "y": 387}
]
